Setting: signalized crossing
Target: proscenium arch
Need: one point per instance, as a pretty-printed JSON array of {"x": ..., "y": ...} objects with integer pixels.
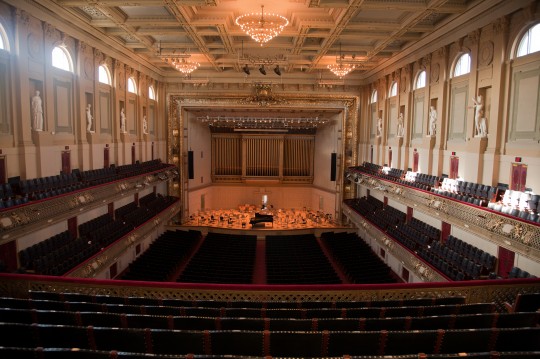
[{"x": 177, "y": 144}]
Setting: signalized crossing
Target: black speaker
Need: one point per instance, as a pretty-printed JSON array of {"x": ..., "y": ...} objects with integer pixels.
[
  {"x": 190, "y": 164},
  {"x": 333, "y": 164}
]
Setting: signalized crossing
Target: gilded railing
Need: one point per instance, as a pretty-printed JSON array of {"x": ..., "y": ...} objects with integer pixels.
[
  {"x": 496, "y": 291},
  {"x": 21, "y": 220},
  {"x": 516, "y": 235}
]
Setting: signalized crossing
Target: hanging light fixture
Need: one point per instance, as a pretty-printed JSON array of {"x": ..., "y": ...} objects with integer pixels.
[
  {"x": 184, "y": 66},
  {"x": 262, "y": 28},
  {"x": 340, "y": 68}
]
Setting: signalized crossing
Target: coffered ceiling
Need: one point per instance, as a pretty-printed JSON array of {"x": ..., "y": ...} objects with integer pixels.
[{"x": 369, "y": 32}]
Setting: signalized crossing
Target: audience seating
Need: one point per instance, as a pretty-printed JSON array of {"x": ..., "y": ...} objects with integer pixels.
[
  {"x": 101, "y": 325},
  {"x": 297, "y": 259},
  {"x": 454, "y": 258},
  {"x": 27, "y": 190},
  {"x": 356, "y": 259},
  {"x": 222, "y": 258},
  {"x": 522, "y": 205}
]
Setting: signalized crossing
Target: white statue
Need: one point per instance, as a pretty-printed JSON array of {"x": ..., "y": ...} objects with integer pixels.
[
  {"x": 432, "y": 121},
  {"x": 479, "y": 119},
  {"x": 37, "y": 112},
  {"x": 122, "y": 120},
  {"x": 89, "y": 118},
  {"x": 145, "y": 125},
  {"x": 400, "y": 125},
  {"x": 379, "y": 127}
]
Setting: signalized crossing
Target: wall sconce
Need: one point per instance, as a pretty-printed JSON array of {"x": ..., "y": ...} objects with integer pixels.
[
  {"x": 175, "y": 159},
  {"x": 175, "y": 133}
]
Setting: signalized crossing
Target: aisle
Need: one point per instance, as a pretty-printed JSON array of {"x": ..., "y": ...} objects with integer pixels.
[{"x": 259, "y": 267}]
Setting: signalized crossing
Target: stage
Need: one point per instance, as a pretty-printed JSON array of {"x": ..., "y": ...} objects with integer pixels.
[{"x": 285, "y": 221}]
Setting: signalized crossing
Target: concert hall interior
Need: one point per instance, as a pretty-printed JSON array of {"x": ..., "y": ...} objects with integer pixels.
[{"x": 297, "y": 178}]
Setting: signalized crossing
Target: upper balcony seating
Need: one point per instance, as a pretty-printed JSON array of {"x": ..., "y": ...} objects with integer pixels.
[
  {"x": 522, "y": 205},
  {"x": 103, "y": 324},
  {"x": 60, "y": 253},
  {"x": 28, "y": 190},
  {"x": 456, "y": 259}
]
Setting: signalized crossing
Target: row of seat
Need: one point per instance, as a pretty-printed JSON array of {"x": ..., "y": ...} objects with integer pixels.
[
  {"x": 207, "y": 303},
  {"x": 77, "y": 353},
  {"x": 309, "y": 313},
  {"x": 270, "y": 343},
  {"x": 118, "y": 320}
]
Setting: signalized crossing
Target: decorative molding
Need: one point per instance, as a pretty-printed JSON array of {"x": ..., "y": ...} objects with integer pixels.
[
  {"x": 486, "y": 53},
  {"x": 501, "y": 25}
]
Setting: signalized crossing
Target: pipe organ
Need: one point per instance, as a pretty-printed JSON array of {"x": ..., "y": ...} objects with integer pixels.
[{"x": 240, "y": 157}]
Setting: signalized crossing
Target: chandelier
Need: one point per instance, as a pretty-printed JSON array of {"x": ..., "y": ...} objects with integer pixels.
[
  {"x": 183, "y": 65},
  {"x": 340, "y": 68},
  {"x": 262, "y": 28}
]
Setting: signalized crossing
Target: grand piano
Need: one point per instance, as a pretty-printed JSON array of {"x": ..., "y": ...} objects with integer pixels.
[{"x": 260, "y": 218}]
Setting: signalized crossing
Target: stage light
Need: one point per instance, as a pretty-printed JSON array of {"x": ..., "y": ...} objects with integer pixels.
[
  {"x": 277, "y": 70},
  {"x": 246, "y": 69},
  {"x": 262, "y": 70}
]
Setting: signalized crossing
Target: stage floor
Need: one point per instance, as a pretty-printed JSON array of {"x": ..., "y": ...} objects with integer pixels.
[{"x": 283, "y": 220}]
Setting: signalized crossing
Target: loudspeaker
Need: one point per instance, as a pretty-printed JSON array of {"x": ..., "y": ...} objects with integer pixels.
[
  {"x": 333, "y": 164},
  {"x": 190, "y": 164}
]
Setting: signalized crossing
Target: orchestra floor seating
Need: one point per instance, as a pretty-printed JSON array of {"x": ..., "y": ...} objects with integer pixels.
[{"x": 52, "y": 324}]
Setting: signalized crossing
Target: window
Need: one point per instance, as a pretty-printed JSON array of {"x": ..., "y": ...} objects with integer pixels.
[
  {"x": 131, "y": 86},
  {"x": 374, "y": 96},
  {"x": 463, "y": 65},
  {"x": 103, "y": 75},
  {"x": 151, "y": 93},
  {"x": 61, "y": 59},
  {"x": 4, "y": 44},
  {"x": 421, "y": 80},
  {"x": 393, "y": 89},
  {"x": 530, "y": 42}
]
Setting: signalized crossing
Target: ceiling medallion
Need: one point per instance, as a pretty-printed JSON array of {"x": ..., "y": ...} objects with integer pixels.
[
  {"x": 262, "y": 28},
  {"x": 263, "y": 96}
]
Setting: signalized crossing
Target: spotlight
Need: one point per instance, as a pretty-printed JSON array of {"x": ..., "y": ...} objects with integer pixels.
[
  {"x": 277, "y": 70},
  {"x": 262, "y": 70},
  {"x": 246, "y": 69}
]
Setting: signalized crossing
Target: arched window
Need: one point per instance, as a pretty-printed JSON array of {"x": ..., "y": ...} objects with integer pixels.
[
  {"x": 530, "y": 42},
  {"x": 393, "y": 89},
  {"x": 374, "y": 96},
  {"x": 421, "y": 80},
  {"x": 151, "y": 93},
  {"x": 463, "y": 65},
  {"x": 61, "y": 59},
  {"x": 103, "y": 75},
  {"x": 4, "y": 43},
  {"x": 131, "y": 86}
]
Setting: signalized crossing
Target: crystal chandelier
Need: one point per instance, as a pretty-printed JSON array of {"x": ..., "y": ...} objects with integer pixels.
[
  {"x": 184, "y": 66},
  {"x": 262, "y": 28},
  {"x": 340, "y": 68}
]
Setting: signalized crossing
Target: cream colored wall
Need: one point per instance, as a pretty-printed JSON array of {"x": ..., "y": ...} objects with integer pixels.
[{"x": 32, "y": 154}]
